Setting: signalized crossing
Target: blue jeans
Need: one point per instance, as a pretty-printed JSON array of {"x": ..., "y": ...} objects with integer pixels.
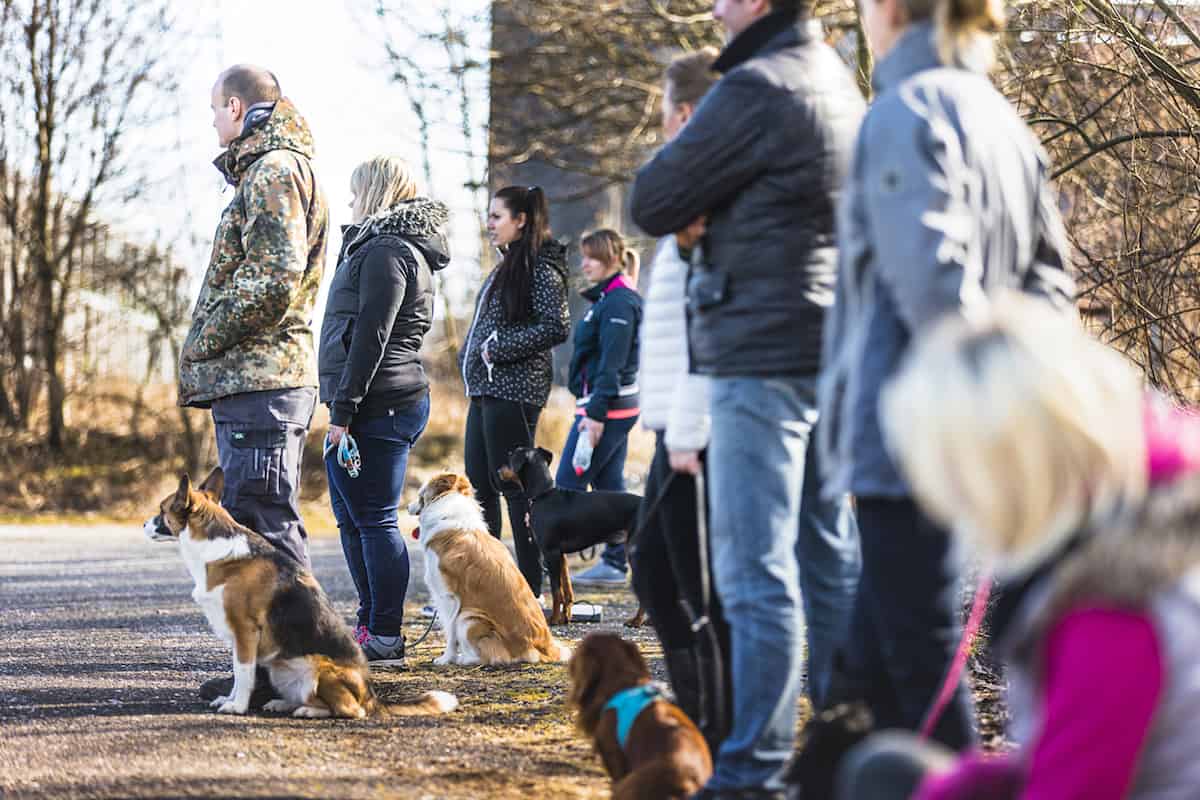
[
  {"x": 606, "y": 473},
  {"x": 366, "y": 509},
  {"x": 782, "y": 558}
]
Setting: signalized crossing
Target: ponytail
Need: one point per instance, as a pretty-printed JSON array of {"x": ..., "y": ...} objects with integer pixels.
[
  {"x": 632, "y": 263},
  {"x": 514, "y": 277},
  {"x": 964, "y": 28}
]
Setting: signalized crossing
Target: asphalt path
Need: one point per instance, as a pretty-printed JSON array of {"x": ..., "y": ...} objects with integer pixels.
[{"x": 102, "y": 649}]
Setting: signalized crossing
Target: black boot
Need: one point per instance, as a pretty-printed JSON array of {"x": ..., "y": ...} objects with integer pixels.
[{"x": 825, "y": 741}]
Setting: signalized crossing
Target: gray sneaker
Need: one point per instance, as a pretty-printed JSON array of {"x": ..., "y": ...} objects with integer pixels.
[
  {"x": 600, "y": 574},
  {"x": 384, "y": 651}
]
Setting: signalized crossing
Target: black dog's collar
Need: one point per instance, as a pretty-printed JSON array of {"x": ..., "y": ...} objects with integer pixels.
[{"x": 540, "y": 495}]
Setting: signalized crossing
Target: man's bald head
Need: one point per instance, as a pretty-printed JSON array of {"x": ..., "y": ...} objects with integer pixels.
[
  {"x": 236, "y": 90},
  {"x": 250, "y": 84}
]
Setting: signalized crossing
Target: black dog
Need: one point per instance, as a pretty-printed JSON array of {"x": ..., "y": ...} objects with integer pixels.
[{"x": 565, "y": 521}]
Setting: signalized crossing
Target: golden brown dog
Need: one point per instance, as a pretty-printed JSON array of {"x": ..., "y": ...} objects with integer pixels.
[
  {"x": 273, "y": 613},
  {"x": 663, "y": 755},
  {"x": 483, "y": 602}
]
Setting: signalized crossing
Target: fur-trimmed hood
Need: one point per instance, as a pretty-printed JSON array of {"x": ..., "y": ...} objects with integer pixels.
[
  {"x": 1127, "y": 563},
  {"x": 421, "y": 221}
]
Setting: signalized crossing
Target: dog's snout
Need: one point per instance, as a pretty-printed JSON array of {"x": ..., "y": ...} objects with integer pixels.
[
  {"x": 156, "y": 529},
  {"x": 414, "y": 507}
]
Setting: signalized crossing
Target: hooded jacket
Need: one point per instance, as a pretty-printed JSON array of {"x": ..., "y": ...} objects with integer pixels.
[
  {"x": 379, "y": 308},
  {"x": 521, "y": 362},
  {"x": 252, "y": 325},
  {"x": 948, "y": 201}
]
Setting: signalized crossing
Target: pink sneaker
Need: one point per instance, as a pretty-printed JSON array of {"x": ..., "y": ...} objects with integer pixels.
[{"x": 361, "y": 634}]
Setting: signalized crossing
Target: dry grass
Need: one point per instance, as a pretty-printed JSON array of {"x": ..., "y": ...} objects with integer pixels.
[{"x": 121, "y": 458}]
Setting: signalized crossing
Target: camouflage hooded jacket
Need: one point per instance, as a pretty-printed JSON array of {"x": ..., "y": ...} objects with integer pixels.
[{"x": 252, "y": 326}]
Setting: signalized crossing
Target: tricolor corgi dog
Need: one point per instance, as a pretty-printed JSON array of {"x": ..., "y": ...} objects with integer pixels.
[
  {"x": 484, "y": 605},
  {"x": 273, "y": 613}
]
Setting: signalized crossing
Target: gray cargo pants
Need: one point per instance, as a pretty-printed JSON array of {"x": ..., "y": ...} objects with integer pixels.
[{"x": 260, "y": 442}]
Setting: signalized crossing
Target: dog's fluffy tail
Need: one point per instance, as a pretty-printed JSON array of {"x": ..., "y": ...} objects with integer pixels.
[{"x": 435, "y": 702}]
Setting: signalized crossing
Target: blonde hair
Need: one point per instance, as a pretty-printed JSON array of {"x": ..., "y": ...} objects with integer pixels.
[
  {"x": 609, "y": 246},
  {"x": 380, "y": 183},
  {"x": 1015, "y": 428},
  {"x": 964, "y": 28}
]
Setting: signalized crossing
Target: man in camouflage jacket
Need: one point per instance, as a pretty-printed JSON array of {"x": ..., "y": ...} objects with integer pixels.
[{"x": 249, "y": 355}]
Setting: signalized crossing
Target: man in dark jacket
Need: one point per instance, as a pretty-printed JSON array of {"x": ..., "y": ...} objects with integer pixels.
[{"x": 762, "y": 160}]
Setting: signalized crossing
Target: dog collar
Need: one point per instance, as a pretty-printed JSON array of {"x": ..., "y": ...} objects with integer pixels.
[
  {"x": 540, "y": 495},
  {"x": 628, "y": 704}
]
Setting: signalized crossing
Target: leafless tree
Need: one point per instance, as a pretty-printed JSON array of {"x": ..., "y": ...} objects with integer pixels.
[
  {"x": 577, "y": 85},
  {"x": 79, "y": 77},
  {"x": 1112, "y": 90},
  {"x": 439, "y": 60}
]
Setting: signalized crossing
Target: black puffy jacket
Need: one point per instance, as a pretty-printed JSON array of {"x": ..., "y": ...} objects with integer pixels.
[
  {"x": 764, "y": 157},
  {"x": 522, "y": 365},
  {"x": 379, "y": 308}
]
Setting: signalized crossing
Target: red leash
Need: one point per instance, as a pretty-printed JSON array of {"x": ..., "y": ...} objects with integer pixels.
[{"x": 954, "y": 674}]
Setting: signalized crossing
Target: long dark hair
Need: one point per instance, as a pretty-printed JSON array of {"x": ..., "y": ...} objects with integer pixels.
[{"x": 513, "y": 283}]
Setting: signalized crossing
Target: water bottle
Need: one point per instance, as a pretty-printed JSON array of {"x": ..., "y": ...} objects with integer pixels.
[{"x": 582, "y": 458}]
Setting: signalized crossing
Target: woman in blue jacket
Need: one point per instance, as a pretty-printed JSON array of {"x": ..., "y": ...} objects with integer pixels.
[{"x": 604, "y": 381}]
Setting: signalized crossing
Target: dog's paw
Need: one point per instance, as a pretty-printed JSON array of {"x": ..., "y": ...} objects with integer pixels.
[
  {"x": 233, "y": 707},
  {"x": 443, "y": 660},
  {"x": 280, "y": 707},
  {"x": 311, "y": 712},
  {"x": 467, "y": 661},
  {"x": 220, "y": 701}
]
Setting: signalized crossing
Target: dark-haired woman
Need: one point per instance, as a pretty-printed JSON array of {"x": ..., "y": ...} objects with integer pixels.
[{"x": 506, "y": 364}]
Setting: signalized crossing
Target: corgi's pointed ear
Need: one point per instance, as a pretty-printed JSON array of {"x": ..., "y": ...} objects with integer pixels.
[
  {"x": 183, "y": 495},
  {"x": 214, "y": 484},
  {"x": 546, "y": 455}
]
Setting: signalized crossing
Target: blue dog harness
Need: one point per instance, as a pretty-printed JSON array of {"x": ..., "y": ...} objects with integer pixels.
[{"x": 628, "y": 704}]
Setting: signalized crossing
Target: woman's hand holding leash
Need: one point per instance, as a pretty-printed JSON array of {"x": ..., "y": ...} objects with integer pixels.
[
  {"x": 334, "y": 437},
  {"x": 685, "y": 461}
]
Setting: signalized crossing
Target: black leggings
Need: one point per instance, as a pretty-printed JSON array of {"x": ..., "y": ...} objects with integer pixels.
[{"x": 494, "y": 428}]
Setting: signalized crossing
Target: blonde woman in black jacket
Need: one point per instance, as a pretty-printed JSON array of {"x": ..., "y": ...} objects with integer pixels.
[{"x": 379, "y": 308}]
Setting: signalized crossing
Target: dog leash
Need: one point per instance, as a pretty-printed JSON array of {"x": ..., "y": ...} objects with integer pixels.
[
  {"x": 348, "y": 457},
  {"x": 954, "y": 673}
]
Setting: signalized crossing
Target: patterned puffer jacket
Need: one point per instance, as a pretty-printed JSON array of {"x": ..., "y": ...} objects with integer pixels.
[{"x": 522, "y": 364}]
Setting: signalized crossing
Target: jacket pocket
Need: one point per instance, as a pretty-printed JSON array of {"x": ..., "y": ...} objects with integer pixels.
[
  {"x": 707, "y": 290},
  {"x": 255, "y": 459}
]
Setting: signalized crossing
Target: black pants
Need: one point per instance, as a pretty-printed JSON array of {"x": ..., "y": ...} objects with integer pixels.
[
  {"x": 260, "y": 442},
  {"x": 905, "y": 628},
  {"x": 494, "y": 428},
  {"x": 665, "y": 556}
]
